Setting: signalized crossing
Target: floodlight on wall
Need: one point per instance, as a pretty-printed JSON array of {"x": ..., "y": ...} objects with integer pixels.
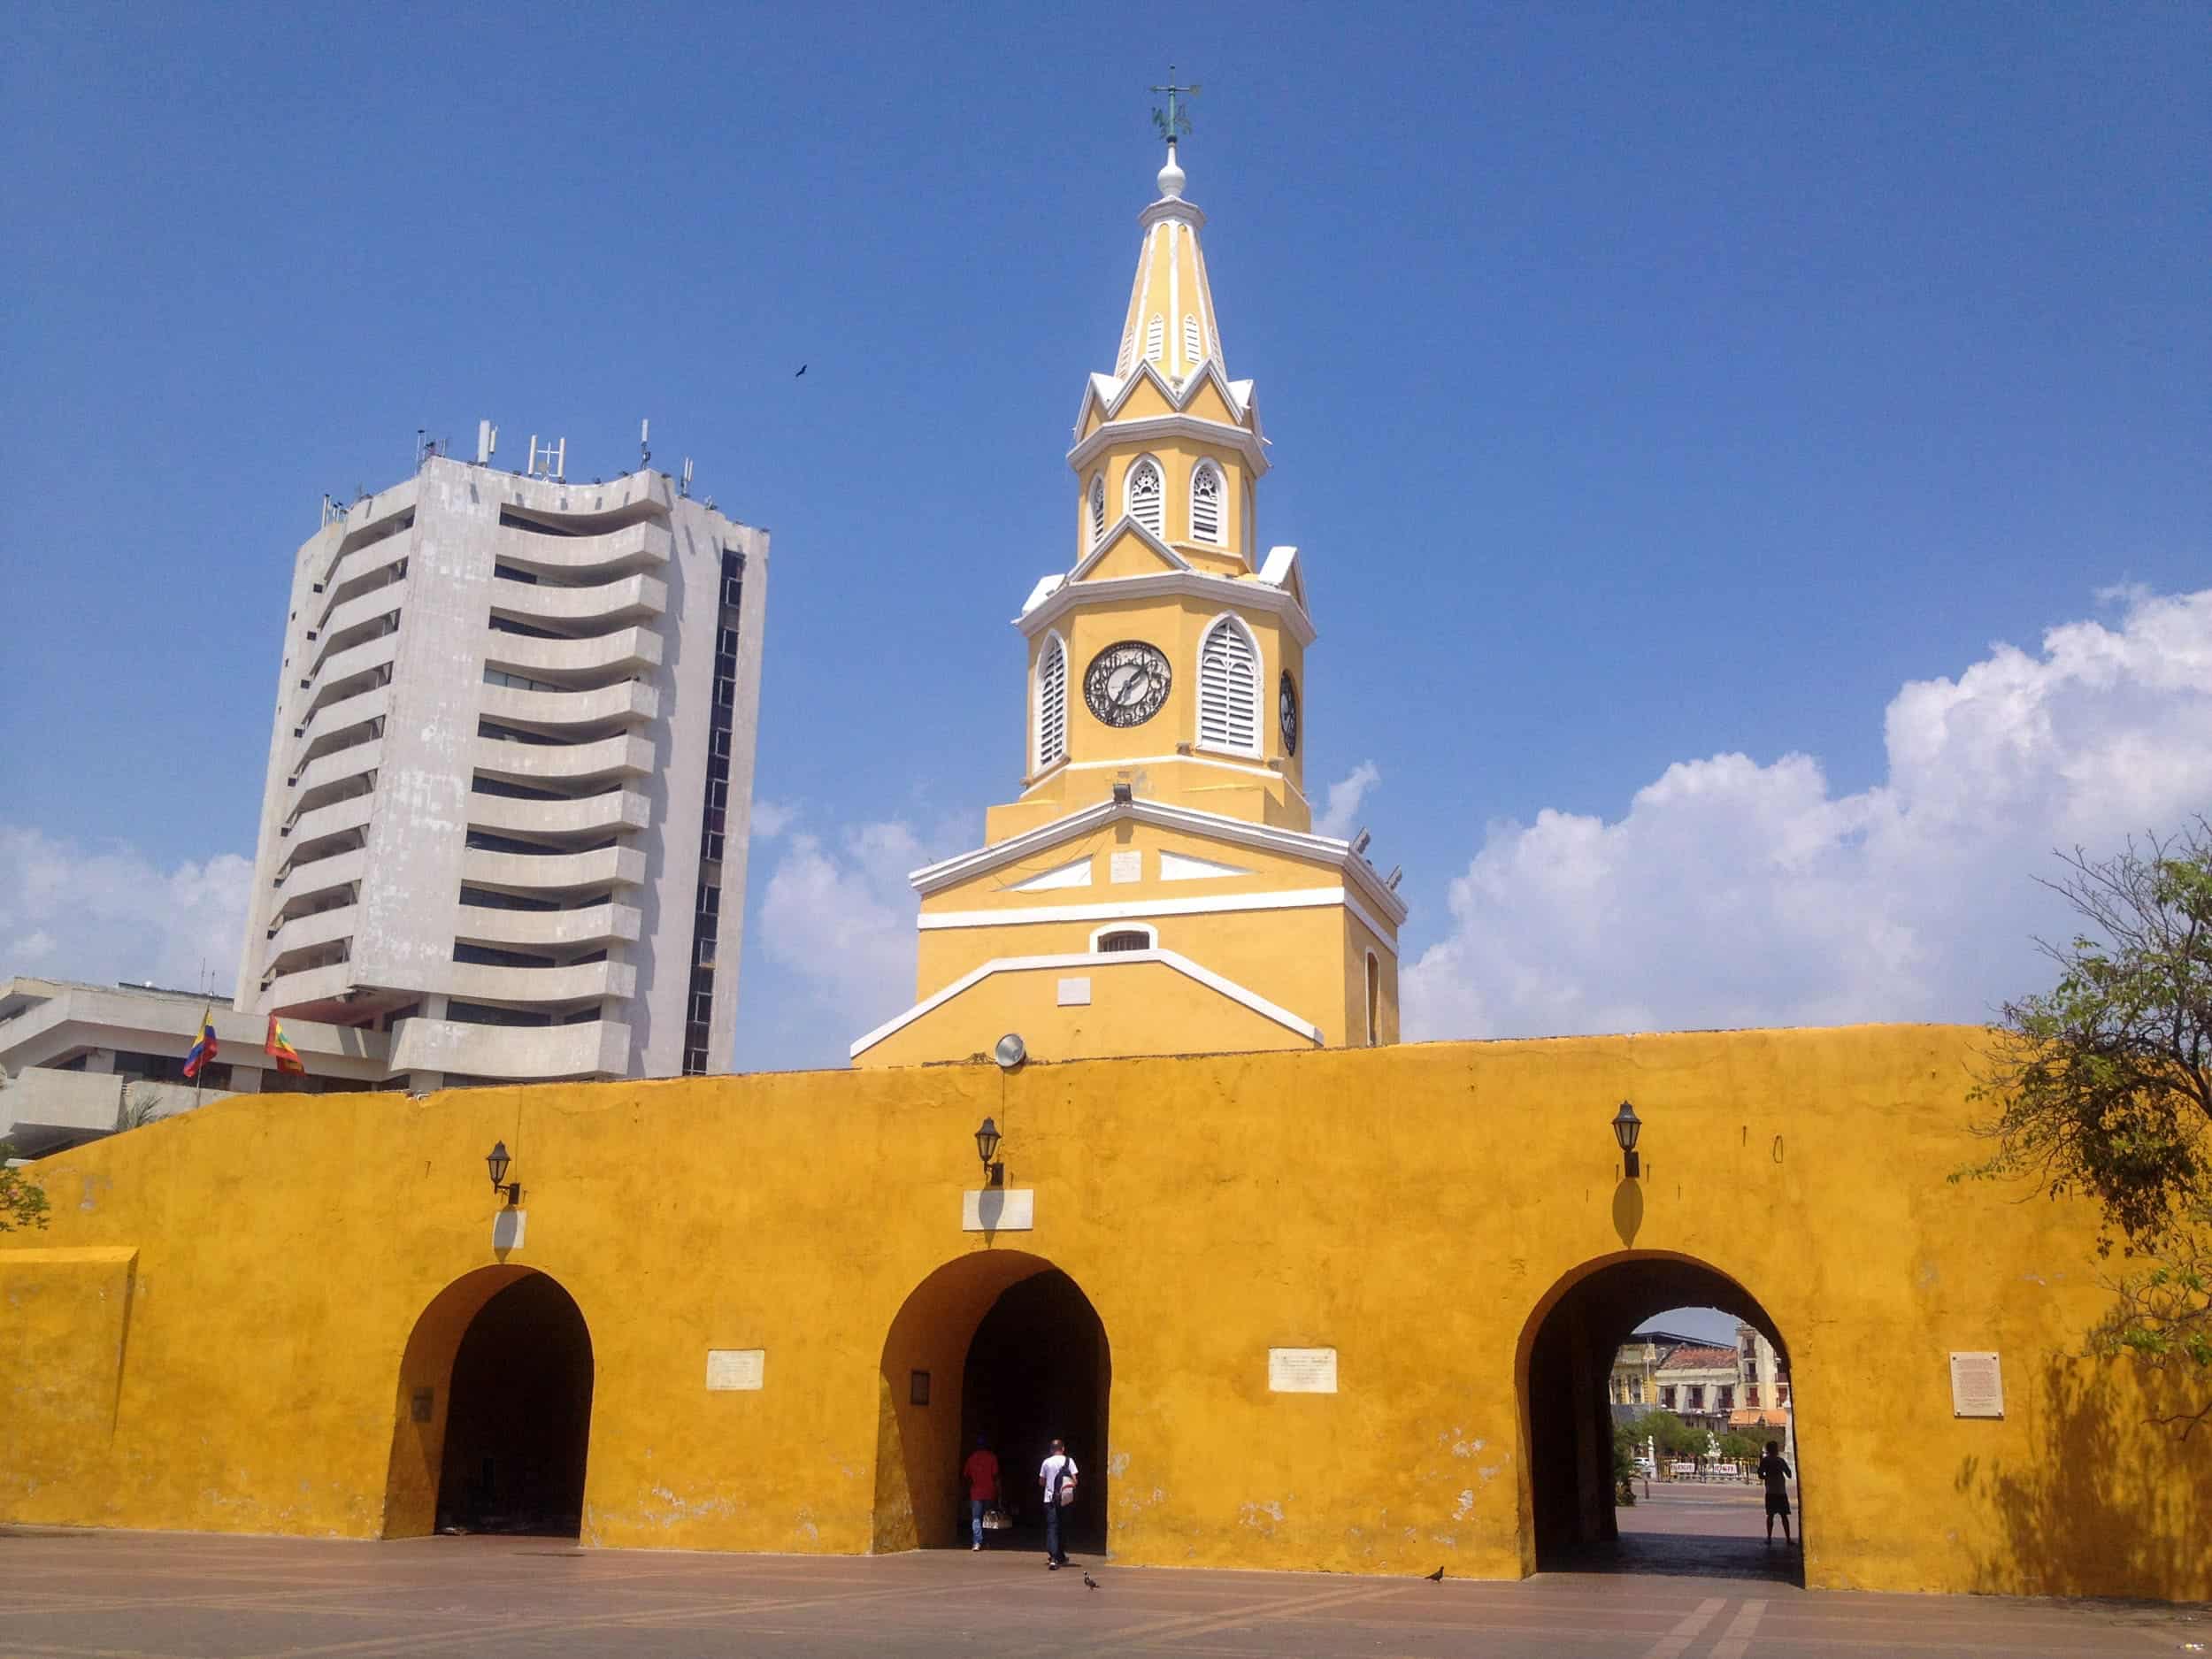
[
  {"x": 987, "y": 1139},
  {"x": 1009, "y": 1051},
  {"x": 497, "y": 1161},
  {"x": 1626, "y": 1128}
]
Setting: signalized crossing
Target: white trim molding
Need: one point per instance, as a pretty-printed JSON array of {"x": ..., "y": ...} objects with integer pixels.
[
  {"x": 1095, "y": 961},
  {"x": 1113, "y": 539},
  {"x": 1131, "y": 909},
  {"x": 1047, "y": 606},
  {"x": 1151, "y": 428},
  {"x": 1324, "y": 850}
]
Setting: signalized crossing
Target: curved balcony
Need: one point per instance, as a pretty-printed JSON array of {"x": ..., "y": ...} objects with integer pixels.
[
  {"x": 624, "y": 756},
  {"x": 631, "y": 599},
  {"x": 337, "y": 818},
  {"x": 596, "y": 1048},
  {"x": 482, "y": 981},
  {"x": 626, "y": 701},
  {"x": 341, "y": 622},
  {"x": 633, "y": 650},
  {"x": 602, "y": 814},
  {"x": 370, "y": 571},
  {"x": 594, "y": 924},
  {"x": 333, "y": 770},
  {"x": 301, "y": 932},
  {"x": 635, "y": 548},
  {"x": 333, "y": 681},
  {"x": 313, "y": 880},
  {"x": 329, "y": 727},
  {"x": 553, "y": 872},
  {"x": 309, "y": 985}
]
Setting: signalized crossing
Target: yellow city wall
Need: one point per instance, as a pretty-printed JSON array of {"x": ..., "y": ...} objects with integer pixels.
[{"x": 1412, "y": 1206}]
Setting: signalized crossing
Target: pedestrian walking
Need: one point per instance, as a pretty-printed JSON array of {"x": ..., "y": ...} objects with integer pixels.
[
  {"x": 981, "y": 1471},
  {"x": 1057, "y": 1476},
  {"x": 1776, "y": 1473}
]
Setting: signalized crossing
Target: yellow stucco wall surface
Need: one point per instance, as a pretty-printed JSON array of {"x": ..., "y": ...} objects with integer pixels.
[{"x": 1416, "y": 1208}]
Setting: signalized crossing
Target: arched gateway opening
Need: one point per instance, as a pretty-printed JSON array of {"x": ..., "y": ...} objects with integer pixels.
[
  {"x": 493, "y": 1420},
  {"x": 1580, "y": 1385},
  {"x": 1005, "y": 1345}
]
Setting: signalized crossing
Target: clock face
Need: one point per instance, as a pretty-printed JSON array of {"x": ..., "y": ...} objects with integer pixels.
[
  {"x": 1126, "y": 683},
  {"x": 1287, "y": 709}
]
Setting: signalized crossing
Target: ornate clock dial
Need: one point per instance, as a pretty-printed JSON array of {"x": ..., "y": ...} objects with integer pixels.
[
  {"x": 1126, "y": 683},
  {"x": 1286, "y": 710}
]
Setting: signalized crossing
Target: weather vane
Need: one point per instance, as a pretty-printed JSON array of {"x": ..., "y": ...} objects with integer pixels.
[{"x": 1173, "y": 119}]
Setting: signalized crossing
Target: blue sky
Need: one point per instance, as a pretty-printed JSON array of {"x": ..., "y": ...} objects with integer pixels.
[{"x": 1675, "y": 409}]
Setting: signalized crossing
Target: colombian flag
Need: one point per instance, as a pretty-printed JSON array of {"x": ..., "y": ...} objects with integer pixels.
[
  {"x": 203, "y": 1048},
  {"x": 287, "y": 1058}
]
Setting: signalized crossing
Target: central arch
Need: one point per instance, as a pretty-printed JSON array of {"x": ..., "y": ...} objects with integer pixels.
[
  {"x": 1564, "y": 1359},
  {"x": 492, "y": 1426},
  {"x": 1003, "y": 1343}
]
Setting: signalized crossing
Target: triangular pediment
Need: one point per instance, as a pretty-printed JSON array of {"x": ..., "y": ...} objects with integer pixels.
[
  {"x": 1076, "y": 873},
  {"x": 1144, "y": 391},
  {"x": 1127, "y": 548},
  {"x": 1280, "y": 570}
]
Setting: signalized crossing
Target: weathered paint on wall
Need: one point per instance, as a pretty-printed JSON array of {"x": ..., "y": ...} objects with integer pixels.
[{"x": 1416, "y": 1208}]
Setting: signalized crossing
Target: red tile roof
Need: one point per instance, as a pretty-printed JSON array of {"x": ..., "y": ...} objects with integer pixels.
[{"x": 1700, "y": 1359}]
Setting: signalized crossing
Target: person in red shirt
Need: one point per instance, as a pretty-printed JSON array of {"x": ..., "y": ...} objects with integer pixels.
[{"x": 981, "y": 1472}]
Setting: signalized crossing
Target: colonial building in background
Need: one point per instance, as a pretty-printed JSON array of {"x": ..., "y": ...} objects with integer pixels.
[
  {"x": 509, "y": 776},
  {"x": 1157, "y": 886}
]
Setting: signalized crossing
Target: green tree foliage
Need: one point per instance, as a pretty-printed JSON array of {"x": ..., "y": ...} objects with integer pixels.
[
  {"x": 22, "y": 1202},
  {"x": 1740, "y": 1448},
  {"x": 1672, "y": 1436},
  {"x": 1626, "y": 1449},
  {"x": 2101, "y": 1087}
]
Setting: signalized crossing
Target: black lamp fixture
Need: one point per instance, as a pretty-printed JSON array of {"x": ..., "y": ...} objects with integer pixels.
[
  {"x": 987, "y": 1139},
  {"x": 1626, "y": 1128},
  {"x": 496, "y": 1160}
]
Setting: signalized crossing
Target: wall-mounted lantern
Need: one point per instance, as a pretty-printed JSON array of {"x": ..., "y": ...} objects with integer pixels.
[
  {"x": 987, "y": 1139},
  {"x": 496, "y": 1160},
  {"x": 1626, "y": 1128}
]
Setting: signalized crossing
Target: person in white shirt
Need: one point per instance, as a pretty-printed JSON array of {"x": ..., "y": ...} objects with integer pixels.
[{"x": 1057, "y": 1479}]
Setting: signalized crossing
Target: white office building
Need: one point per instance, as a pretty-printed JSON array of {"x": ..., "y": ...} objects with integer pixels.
[{"x": 510, "y": 778}]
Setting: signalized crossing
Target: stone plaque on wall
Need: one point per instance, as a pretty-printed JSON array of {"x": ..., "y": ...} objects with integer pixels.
[
  {"x": 1302, "y": 1371},
  {"x": 1126, "y": 866},
  {"x": 736, "y": 1370},
  {"x": 1978, "y": 1385}
]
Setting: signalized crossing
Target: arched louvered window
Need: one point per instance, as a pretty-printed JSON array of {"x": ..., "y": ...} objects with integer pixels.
[
  {"x": 1125, "y": 939},
  {"x": 1193, "y": 353},
  {"x": 1156, "y": 337},
  {"x": 1146, "y": 494},
  {"x": 1098, "y": 507},
  {"x": 1128, "y": 348},
  {"x": 1205, "y": 504},
  {"x": 1052, "y": 701},
  {"x": 1229, "y": 689}
]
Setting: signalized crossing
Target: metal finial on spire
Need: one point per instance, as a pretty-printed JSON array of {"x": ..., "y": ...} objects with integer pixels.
[{"x": 1174, "y": 120}]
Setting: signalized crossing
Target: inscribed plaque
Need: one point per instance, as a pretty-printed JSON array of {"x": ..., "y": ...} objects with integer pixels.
[
  {"x": 1302, "y": 1371},
  {"x": 1978, "y": 1385},
  {"x": 1127, "y": 866},
  {"x": 735, "y": 1370},
  {"x": 1075, "y": 992},
  {"x": 998, "y": 1210}
]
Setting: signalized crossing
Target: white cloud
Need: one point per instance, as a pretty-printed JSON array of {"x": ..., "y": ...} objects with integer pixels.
[
  {"x": 109, "y": 913},
  {"x": 839, "y": 916},
  {"x": 771, "y": 818},
  {"x": 1339, "y": 816},
  {"x": 1734, "y": 894}
]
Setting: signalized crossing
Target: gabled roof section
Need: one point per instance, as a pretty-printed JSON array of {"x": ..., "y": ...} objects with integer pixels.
[
  {"x": 1107, "y": 395},
  {"x": 1280, "y": 570},
  {"x": 1055, "y": 596},
  {"x": 1323, "y": 850},
  {"x": 1122, "y": 530}
]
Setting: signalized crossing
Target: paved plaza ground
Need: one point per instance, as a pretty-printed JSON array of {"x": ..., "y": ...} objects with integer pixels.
[{"x": 165, "y": 1596}]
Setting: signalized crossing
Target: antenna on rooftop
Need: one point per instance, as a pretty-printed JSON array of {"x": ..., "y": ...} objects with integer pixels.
[
  {"x": 687, "y": 483},
  {"x": 426, "y": 446},
  {"x": 486, "y": 440},
  {"x": 644, "y": 437},
  {"x": 551, "y": 461}
]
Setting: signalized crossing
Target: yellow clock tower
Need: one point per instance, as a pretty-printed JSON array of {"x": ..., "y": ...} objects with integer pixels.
[{"x": 1157, "y": 887}]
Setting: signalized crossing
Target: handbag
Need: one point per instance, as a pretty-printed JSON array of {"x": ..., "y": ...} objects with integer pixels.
[{"x": 994, "y": 1519}]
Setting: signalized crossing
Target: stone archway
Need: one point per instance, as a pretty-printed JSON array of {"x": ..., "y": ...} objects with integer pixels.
[
  {"x": 1562, "y": 1367},
  {"x": 493, "y": 1415},
  {"x": 1011, "y": 1346}
]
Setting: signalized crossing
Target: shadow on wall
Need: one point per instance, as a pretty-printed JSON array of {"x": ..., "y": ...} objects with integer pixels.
[{"x": 2093, "y": 1513}]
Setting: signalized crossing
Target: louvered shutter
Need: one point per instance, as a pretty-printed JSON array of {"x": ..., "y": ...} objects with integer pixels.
[
  {"x": 1154, "y": 337},
  {"x": 1193, "y": 353},
  {"x": 1146, "y": 496},
  {"x": 1228, "y": 690},
  {"x": 1052, "y": 704},
  {"x": 1098, "y": 507},
  {"x": 1205, "y": 505}
]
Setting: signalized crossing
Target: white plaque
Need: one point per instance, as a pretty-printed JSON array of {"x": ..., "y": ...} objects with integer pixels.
[
  {"x": 1302, "y": 1371},
  {"x": 1978, "y": 1385},
  {"x": 735, "y": 1370},
  {"x": 1127, "y": 866},
  {"x": 508, "y": 1227},
  {"x": 1075, "y": 992},
  {"x": 998, "y": 1210}
]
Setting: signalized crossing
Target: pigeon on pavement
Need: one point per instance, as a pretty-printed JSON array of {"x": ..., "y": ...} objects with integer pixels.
[
  {"x": 1089, "y": 1583},
  {"x": 1435, "y": 1578}
]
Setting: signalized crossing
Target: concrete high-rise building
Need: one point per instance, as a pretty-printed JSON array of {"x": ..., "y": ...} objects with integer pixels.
[{"x": 510, "y": 776}]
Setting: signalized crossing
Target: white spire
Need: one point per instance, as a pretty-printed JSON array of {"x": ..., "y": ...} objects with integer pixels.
[{"x": 1171, "y": 176}]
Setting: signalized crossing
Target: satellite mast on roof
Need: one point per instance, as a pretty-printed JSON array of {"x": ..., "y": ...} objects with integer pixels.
[{"x": 644, "y": 437}]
